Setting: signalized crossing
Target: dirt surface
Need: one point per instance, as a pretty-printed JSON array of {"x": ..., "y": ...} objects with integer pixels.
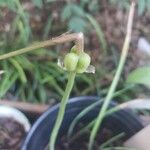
[{"x": 11, "y": 134}]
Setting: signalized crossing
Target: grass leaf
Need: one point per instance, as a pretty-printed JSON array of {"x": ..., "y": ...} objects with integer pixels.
[{"x": 19, "y": 69}]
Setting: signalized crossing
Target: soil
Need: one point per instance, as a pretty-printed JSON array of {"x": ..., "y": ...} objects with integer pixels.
[
  {"x": 81, "y": 143},
  {"x": 12, "y": 134}
]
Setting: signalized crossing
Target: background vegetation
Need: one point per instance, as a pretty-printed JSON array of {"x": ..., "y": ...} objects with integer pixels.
[{"x": 35, "y": 76}]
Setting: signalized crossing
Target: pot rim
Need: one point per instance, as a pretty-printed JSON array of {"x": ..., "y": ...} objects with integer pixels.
[{"x": 17, "y": 115}]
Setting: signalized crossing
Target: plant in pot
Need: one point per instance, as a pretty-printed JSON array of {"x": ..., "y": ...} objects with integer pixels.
[{"x": 52, "y": 126}]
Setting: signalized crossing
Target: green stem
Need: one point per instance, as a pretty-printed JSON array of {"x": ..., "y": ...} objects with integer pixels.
[
  {"x": 111, "y": 140},
  {"x": 77, "y": 37},
  {"x": 89, "y": 108},
  {"x": 100, "y": 34},
  {"x": 61, "y": 110},
  {"x": 118, "y": 148},
  {"x": 115, "y": 80},
  {"x": 87, "y": 127}
]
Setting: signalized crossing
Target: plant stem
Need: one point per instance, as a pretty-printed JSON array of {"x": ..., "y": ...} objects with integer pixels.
[
  {"x": 77, "y": 37},
  {"x": 61, "y": 110},
  {"x": 118, "y": 148},
  {"x": 87, "y": 127},
  {"x": 115, "y": 80},
  {"x": 100, "y": 34},
  {"x": 89, "y": 108},
  {"x": 111, "y": 140}
]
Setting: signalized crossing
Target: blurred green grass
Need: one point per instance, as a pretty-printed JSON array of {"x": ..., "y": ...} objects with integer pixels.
[{"x": 35, "y": 77}]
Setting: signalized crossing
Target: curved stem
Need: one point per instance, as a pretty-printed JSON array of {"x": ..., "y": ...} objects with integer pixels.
[
  {"x": 115, "y": 80},
  {"x": 77, "y": 37},
  {"x": 61, "y": 112}
]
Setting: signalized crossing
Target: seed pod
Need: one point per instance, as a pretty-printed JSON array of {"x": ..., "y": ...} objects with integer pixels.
[
  {"x": 83, "y": 62},
  {"x": 70, "y": 61}
]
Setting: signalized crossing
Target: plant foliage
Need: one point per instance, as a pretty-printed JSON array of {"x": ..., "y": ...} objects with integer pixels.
[{"x": 140, "y": 76}]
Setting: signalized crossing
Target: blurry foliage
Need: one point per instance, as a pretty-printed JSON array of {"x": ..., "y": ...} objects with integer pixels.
[
  {"x": 29, "y": 79},
  {"x": 140, "y": 76},
  {"x": 38, "y": 3},
  {"x": 142, "y": 4},
  {"x": 20, "y": 23},
  {"x": 8, "y": 3},
  {"x": 75, "y": 14},
  {"x": 123, "y": 4},
  {"x": 78, "y": 19},
  {"x": 36, "y": 77}
]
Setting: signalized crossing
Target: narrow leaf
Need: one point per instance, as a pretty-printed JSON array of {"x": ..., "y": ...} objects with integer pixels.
[{"x": 140, "y": 76}]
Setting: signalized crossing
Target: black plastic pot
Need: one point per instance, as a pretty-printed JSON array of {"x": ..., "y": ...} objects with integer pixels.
[{"x": 121, "y": 121}]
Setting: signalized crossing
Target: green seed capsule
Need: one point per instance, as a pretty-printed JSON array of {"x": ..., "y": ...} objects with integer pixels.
[
  {"x": 70, "y": 61},
  {"x": 83, "y": 62}
]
